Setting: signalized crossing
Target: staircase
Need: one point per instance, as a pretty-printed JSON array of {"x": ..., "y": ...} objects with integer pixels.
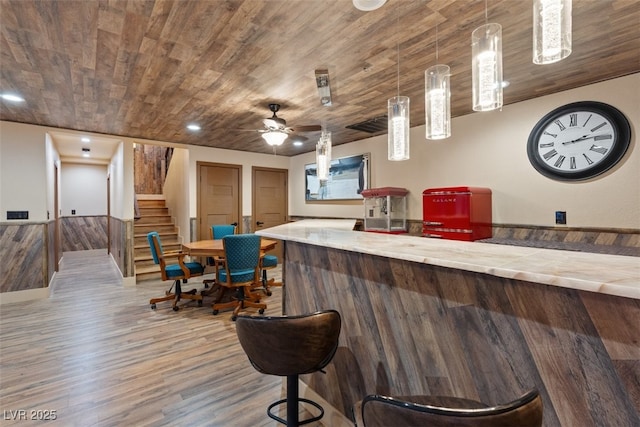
[{"x": 154, "y": 216}]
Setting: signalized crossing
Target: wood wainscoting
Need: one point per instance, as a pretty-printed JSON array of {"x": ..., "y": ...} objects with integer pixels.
[
  {"x": 415, "y": 329},
  {"x": 23, "y": 254},
  {"x": 83, "y": 233}
]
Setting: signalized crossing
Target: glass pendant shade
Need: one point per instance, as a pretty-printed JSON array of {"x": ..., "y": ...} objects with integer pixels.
[
  {"x": 437, "y": 98},
  {"x": 398, "y": 114},
  {"x": 551, "y": 30},
  {"x": 486, "y": 67},
  {"x": 323, "y": 155},
  {"x": 274, "y": 138}
]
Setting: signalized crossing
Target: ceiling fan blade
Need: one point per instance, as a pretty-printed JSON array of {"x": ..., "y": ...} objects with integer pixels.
[{"x": 309, "y": 128}]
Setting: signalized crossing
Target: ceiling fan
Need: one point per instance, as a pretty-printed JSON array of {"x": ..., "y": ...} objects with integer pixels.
[{"x": 276, "y": 131}]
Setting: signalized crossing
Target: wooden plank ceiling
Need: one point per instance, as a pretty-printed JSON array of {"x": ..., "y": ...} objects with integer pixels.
[{"x": 145, "y": 69}]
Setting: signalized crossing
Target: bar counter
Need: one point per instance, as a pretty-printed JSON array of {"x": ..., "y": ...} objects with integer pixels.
[{"x": 469, "y": 319}]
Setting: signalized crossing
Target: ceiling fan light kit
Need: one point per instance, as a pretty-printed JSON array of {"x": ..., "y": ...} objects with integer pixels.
[{"x": 274, "y": 137}]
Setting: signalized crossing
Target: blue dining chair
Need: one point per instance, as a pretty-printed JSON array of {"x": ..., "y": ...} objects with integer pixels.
[
  {"x": 241, "y": 271},
  {"x": 177, "y": 272},
  {"x": 217, "y": 232}
]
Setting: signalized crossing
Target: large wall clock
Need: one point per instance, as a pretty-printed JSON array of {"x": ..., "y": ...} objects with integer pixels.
[{"x": 579, "y": 141}]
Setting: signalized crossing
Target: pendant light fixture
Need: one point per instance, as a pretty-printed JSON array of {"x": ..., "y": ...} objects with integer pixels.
[
  {"x": 323, "y": 155},
  {"x": 551, "y": 30},
  {"x": 398, "y": 121},
  {"x": 486, "y": 67},
  {"x": 437, "y": 98}
]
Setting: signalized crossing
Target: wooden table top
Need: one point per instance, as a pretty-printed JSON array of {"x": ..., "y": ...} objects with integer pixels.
[{"x": 215, "y": 248}]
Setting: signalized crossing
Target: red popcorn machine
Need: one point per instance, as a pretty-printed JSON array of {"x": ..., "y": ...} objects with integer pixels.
[
  {"x": 385, "y": 210},
  {"x": 457, "y": 213}
]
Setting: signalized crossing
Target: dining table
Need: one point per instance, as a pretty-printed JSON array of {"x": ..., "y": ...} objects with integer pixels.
[{"x": 214, "y": 248}]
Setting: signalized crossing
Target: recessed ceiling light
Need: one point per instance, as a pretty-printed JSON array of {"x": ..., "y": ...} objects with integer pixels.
[
  {"x": 12, "y": 97},
  {"x": 368, "y": 5},
  {"x": 85, "y": 139},
  {"x": 297, "y": 143},
  {"x": 193, "y": 127}
]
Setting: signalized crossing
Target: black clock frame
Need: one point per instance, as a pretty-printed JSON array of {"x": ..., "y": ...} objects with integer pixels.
[{"x": 617, "y": 119}]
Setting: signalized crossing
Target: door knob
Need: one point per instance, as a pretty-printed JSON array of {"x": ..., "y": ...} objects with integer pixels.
[
  {"x": 235, "y": 224},
  {"x": 259, "y": 223}
]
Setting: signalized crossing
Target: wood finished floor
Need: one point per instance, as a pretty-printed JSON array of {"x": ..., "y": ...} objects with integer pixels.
[{"x": 97, "y": 355}]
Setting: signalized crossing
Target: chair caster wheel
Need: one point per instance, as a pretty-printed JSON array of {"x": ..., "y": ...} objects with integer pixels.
[
  {"x": 215, "y": 312},
  {"x": 153, "y": 306},
  {"x": 176, "y": 308},
  {"x": 261, "y": 311},
  {"x": 233, "y": 318},
  {"x": 268, "y": 293},
  {"x": 199, "y": 303}
]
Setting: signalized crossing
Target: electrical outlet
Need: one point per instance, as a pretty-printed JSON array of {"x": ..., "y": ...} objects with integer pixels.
[
  {"x": 561, "y": 217},
  {"x": 73, "y": 211}
]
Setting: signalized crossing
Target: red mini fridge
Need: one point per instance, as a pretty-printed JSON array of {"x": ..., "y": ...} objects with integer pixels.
[{"x": 457, "y": 213}]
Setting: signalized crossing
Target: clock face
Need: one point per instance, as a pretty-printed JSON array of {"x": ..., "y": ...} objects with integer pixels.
[{"x": 579, "y": 141}]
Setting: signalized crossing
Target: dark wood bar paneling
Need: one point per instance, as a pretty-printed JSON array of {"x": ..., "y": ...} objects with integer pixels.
[
  {"x": 412, "y": 328},
  {"x": 22, "y": 257}
]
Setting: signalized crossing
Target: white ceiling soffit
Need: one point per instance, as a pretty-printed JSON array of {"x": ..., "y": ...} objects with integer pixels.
[{"x": 70, "y": 147}]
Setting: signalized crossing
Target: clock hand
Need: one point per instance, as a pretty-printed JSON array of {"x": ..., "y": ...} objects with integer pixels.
[{"x": 577, "y": 140}]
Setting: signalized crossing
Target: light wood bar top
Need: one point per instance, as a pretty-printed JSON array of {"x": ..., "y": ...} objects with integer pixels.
[{"x": 602, "y": 273}]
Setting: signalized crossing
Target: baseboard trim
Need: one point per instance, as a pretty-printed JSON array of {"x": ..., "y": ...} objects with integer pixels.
[{"x": 26, "y": 295}]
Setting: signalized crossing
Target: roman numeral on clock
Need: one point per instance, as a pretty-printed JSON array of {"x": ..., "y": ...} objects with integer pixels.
[
  {"x": 559, "y": 162},
  {"x": 560, "y": 125},
  {"x": 550, "y": 134},
  {"x": 599, "y": 149},
  {"x": 599, "y": 126},
  {"x": 602, "y": 137},
  {"x": 549, "y": 154},
  {"x": 572, "y": 162},
  {"x": 573, "y": 119}
]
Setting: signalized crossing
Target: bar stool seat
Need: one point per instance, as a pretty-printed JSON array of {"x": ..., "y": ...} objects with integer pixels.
[{"x": 290, "y": 346}]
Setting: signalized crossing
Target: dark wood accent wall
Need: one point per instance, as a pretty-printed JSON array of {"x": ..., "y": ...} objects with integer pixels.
[
  {"x": 415, "y": 329},
  {"x": 23, "y": 257},
  {"x": 149, "y": 168},
  {"x": 81, "y": 233},
  {"x": 122, "y": 243}
]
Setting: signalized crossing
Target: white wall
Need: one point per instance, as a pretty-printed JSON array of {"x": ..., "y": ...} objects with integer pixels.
[
  {"x": 83, "y": 188},
  {"x": 121, "y": 181},
  {"x": 490, "y": 150},
  {"x": 176, "y": 191},
  {"x": 23, "y": 171},
  {"x": 52, "y": 158}
]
